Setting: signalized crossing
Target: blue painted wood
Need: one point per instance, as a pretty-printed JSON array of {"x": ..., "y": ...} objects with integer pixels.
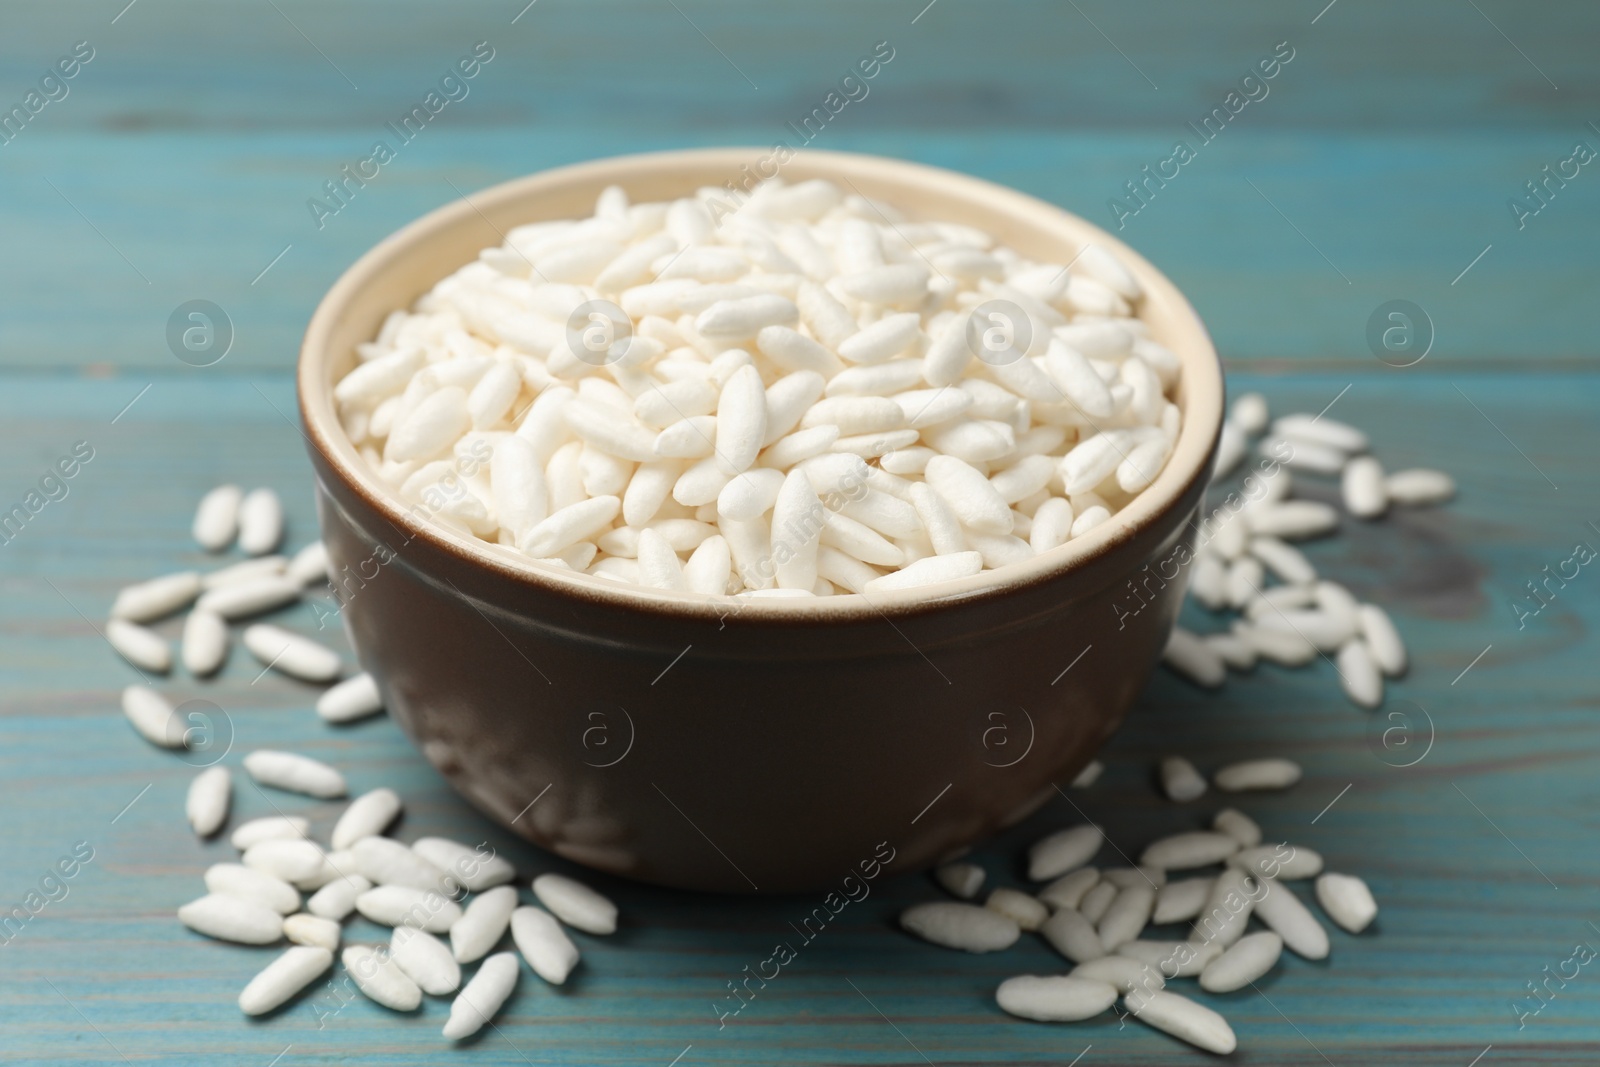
[
  {"x": 181, "y": 162},
  {"x": 1457, "y": 848},
  {"x": 1385, "y": 153}
]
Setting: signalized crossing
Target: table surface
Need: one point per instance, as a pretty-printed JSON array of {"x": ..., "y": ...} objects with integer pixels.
[{"x": 1379, "y": 167}]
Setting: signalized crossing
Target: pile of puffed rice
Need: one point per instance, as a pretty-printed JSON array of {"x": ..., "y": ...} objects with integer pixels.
[{"x": 808, "y": 396}]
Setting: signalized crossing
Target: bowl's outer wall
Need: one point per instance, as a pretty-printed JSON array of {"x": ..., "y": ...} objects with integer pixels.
[
  {"x": 745, "y": 750},
  {"x": 733, "y": 758}
]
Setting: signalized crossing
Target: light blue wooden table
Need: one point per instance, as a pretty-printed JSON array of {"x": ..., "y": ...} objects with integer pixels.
[{"x": 178, "y": 165}]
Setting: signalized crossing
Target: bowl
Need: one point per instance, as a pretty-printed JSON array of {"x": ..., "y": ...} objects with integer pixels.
[{"x": 747, "y": 745}]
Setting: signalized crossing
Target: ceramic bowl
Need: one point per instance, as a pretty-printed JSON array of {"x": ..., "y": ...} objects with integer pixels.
[{"x": 747, "y": 745}]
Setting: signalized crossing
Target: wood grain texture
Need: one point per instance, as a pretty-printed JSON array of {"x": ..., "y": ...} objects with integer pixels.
[
  {"x": 1382, "y": 160},
  {"x": 1468, "y": 914},
  {"x": 189, "y": 146}
]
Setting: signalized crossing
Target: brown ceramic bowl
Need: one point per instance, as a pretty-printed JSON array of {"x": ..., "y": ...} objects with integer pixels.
[{"x": 747, "y": 745}]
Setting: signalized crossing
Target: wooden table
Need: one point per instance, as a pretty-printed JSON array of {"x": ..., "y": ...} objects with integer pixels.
[{"x": 1378, "y": 168}]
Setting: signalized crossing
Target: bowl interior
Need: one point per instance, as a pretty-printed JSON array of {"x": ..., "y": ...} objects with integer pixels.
[{"x": 408, "y": 263}]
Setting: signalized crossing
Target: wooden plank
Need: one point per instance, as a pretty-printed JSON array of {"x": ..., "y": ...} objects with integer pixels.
[
  {"x": 634, "y": 65},
  {"x": 1457, "y": 847},
  {"x": 181, "y": 164},
  {"x": 1266, "y": 292}
]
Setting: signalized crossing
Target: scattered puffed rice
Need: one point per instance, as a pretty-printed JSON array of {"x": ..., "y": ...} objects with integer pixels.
[
  {"x": 1095, "y": 913},
  {"x": 576, "y": 904},
  {"x": 1347, "y": 900},
  {"x": 294, "y": 655},
  {"x": 1184, "y": 1019},
  {"x": 269, "y": 828},
  {"x": 1172, "y": 959},
  {"x": 1283, "y": 913},
  {"x": 153, "y": 717},
  {"x": 1062, "y": 851},
  {"x": 207, "y": 803},
  {"x": 1194, "y": 659},
  {"x": 1054, "y": 998},
  {"x": 205, "y": 642},
  {"x": 543, "y": 943},
  {"x": 260, "y": 522},
  {"x": 352, "y": 699},
  {"x": 247, "y": 883},
  {"x": 295, "y": 773},
  {"x": 1256, "y": 775},
  {"x": 1237, "y": 825},
  {"x": 305, "y": 929},
  {"x": 1250, "y": 957},
  {"x": 1027, "y": 912},
  {"x": 961, "y": 926},
  {"x": 1180, "y": 780},
  {"x": 1420, "y": 487},
  {"x": 1098, "y": 899},
  {"x": 1127, "y": 916},
  {"x": 139, "y": 645},
  {"x": 337, "y": 899},
  {"x": 387, "y": 862},
  {"x": 244, "y": 571},
  {"x": 1185, "y": 851},
  {"x": 1181, "y": 900},
  {"x": 482, "y": 997},
  {"x": 401, "y": 905},
  {"x": 426, "y": 960},
  {"x": 961, "y": 880},
  {"x": 1124, "y": 974},
  {"x": 1256, "y": 520},
  {"x": 483, "y": 922},
  {"x": 367, "y": 816},
  {"x": 378, "y": 976},
  {"x": 1068, "y": 890},
  {"x": 309, "y": 565},
  {"x": 230, "y": 918},
  {"x": 297, "y": 861},
  {"x": 1089, "y": 775},
  {"x": 156, "y": 598},
  {"x": 253, "y": 596},
  {"x": 285, "y": 976},
  {"x": 475, "y": 868},
  {"x": 216, "y": 520},
  {"x": 1073, "y": 935}
]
